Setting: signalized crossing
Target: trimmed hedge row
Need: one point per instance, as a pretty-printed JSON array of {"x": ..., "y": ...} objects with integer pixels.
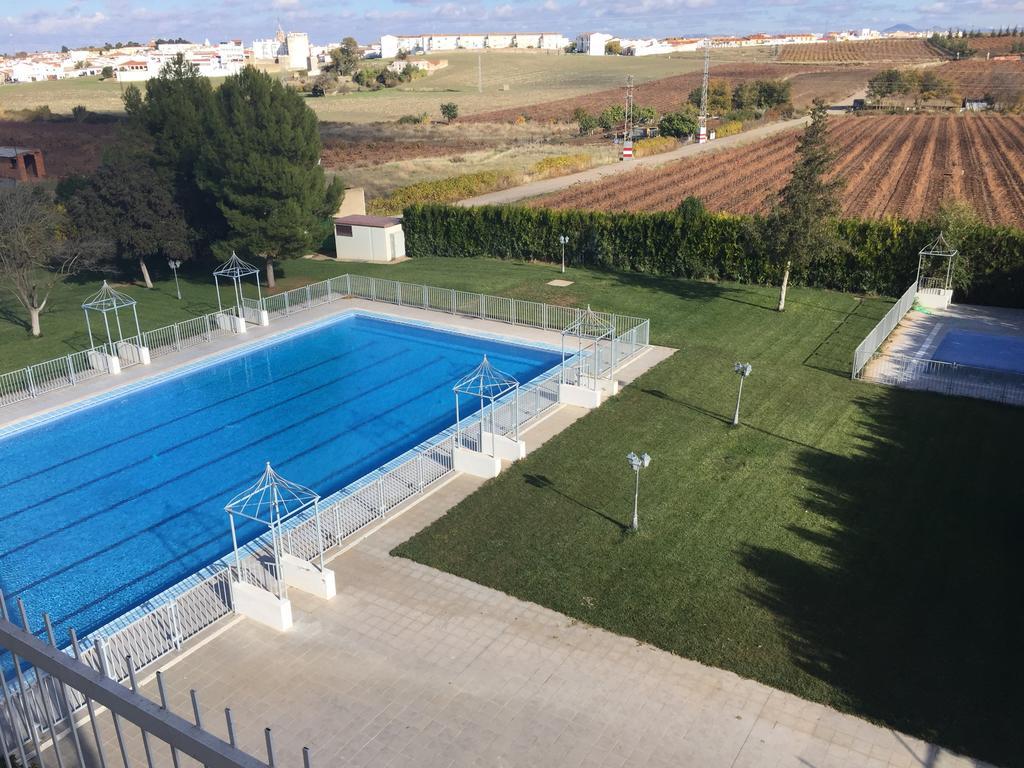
[{"x": 883, "y": 258}]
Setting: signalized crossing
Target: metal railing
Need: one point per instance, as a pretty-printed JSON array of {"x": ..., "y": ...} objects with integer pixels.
[
  {"x": 945, "y": 378},
  {"x": 189, "y": 333},
  {"x": 867, "y": 348},
  {"x": 38, "y": 379},
  {"x": 69, "y": 709},
  {"x": 931, "y": 285}
]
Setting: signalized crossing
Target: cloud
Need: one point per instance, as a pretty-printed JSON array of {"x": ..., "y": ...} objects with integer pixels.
[{"x": 938, "y": 7}]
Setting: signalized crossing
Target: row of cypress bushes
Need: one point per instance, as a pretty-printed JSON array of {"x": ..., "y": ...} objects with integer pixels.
[{"x": 882, "y": 258}]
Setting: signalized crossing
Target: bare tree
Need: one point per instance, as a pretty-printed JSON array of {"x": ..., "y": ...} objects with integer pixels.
[{"x": 35, "y": 252}]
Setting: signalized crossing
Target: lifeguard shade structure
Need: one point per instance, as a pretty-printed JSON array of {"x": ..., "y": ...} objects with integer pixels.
[
  {"x": 488, "y": 384},
  {"x": 587, "y": 352},
  {"x": 260, "y": 588},
  {"x": 235, "y": 269},
  {"x": 936, "y": 291},
  {"x": 107, "y": 302}
]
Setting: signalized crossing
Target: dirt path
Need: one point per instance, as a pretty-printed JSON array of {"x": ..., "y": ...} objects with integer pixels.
[{"x": 547, "y": 186}]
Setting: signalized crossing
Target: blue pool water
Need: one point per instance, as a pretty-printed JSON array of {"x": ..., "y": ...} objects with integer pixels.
[
  {"x": 984, "y": 350},
  {"x": 109, "y": 505}
]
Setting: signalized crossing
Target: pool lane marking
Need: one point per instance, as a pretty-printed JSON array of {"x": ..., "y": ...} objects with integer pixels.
[{"x": 924, "y": 352}]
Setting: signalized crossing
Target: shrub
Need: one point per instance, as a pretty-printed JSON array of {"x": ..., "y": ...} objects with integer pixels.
[
  {"x": 655, "y": 146},
  {"x": 882, "y": 258},
  {"x": 560, "y": 165},
  {"x": 447, "y": 190},
  {"x": 728, "y": 128},
  {"x": 678, "y": 125},
  {"x": 420, "y": 119},
  {"x": 79, "y": 113},
  {"x": 449, "y": 111}
]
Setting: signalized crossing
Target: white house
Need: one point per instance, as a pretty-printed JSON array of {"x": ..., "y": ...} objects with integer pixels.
[
  {"x": 358, "y": 237},
  {"x": 592, "y": 43},
  {"x": 442, "y": 42},
  {"x": 500, "y": 39},
  {"x": 553, "y": 41},
  {"x": 298, "y": 50},
  {"x": 270, "y": 48},
  {"x": 473, "y": 42}
]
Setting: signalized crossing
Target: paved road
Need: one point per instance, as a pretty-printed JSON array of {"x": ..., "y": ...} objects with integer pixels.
[{"x": 535, "y": 188}]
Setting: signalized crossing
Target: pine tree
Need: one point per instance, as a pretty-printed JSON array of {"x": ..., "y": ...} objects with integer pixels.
[
  {"x": 261, "y": 165},
  {"x": 802, "y": 223}
]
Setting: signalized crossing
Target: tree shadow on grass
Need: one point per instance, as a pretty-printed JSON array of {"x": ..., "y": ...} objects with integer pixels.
[
  {"x": 909, "y": 606},
  {"x": 544, "y": 483}
]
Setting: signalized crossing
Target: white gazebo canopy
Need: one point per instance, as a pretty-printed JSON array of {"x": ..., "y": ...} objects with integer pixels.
[
  {"x": 940, "y": 249},
  {"x": 235, "y": 269},
  {"x": 590, "y": 330},
  {"x": 488, "y": 384},
  {"x": 272, "y": 501},
  {"x": 106, "y": 301}
]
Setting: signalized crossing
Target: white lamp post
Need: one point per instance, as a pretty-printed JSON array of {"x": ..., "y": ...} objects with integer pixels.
[
  {"x": 174, "y": 264},
  {"x": 563, "y": 239},
  {"x": 637, "y": 463},
  {"x": 743, "y": 370}
]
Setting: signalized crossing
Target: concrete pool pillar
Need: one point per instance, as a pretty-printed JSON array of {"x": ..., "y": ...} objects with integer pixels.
[
  {"x": 475, "y": 463},
  {"x": 504, "y": 447},
  {"x": 307, "y": 577},
  {"x": 574, "y": 394},
  {"x": 262, "y": 606}
]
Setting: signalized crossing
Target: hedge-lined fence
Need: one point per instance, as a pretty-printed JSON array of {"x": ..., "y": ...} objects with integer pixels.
[{"x": 882, "y": 258}]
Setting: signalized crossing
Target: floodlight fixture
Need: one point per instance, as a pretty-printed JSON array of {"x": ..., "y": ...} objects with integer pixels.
[
  {"x": 743, "y": 370},
  {"x": 637, "y": 463}
]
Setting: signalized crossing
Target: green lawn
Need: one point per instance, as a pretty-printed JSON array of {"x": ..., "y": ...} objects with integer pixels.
[{"x": 853, "y": 544}]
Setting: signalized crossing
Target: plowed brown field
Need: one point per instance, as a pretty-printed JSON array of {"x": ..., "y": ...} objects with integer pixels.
[
  {"x": 974, "y": 78},
  {"x": 860, "y": 52},
  {"x": 899, "y": 165},
  {"x": 997, "y": 46},
  {"x": 665, "y": 95}
]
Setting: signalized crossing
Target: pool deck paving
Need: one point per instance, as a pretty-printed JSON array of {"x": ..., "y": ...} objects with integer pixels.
[{"x": 410, "y": 666}]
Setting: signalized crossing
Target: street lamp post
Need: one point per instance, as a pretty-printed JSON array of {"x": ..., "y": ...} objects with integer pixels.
[
  {"x": 637, "y": 463},
  {"x": 563, "y": 239},
  {"x": 174, "y": 264},
  {"x": 742, "y": 370}
]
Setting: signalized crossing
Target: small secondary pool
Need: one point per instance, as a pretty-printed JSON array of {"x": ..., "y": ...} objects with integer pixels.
[
  {"x": 982, "y": 350},
  {"x": 110, "y": 504}
]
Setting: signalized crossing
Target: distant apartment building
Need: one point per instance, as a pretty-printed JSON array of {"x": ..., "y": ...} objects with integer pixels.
[
  {"x": 298, "y": 50},
  {"x": 219, "y": 60},
  {"x": 592, "y": 43},
  {"x": 392, "y": 45}
]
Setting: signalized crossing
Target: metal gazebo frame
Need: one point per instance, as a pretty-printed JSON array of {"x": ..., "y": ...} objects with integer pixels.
[
  {"x": 105, "y": 301},
  {"x": 938, "y": 247},
  {"x": 235, "y": 269},
  {"x": 489, "y": 384},
  {"x": 273, "y": 501},
  {"x": 590, "y": 329}
]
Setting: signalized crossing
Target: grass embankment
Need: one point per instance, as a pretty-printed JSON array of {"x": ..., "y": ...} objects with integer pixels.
[{"x": 853, "y": 544}]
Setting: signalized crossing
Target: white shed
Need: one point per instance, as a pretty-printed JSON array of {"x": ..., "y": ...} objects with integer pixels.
[{"x": 368, "y": 238}]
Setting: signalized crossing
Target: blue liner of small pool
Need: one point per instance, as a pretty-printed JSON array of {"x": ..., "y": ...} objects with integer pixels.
[
  {"x": 112, "y": 501},
  {"x": 982, "y": 350}
]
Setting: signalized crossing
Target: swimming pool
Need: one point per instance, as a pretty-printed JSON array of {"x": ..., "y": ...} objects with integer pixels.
[
  {"x": 982, "y": 350},
  {"x": 111, "y": 503}
]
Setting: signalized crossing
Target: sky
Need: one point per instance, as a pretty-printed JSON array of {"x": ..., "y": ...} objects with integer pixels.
[{"x": 49, "y": 24}]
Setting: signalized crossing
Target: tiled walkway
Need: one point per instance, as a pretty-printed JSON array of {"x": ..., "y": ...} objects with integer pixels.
[{"x": 409, "y": 666}]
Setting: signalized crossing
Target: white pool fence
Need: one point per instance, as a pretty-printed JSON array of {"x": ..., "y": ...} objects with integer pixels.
[
  {"x": 167, "y": 620},
  {"x": 920, "y": 373}
]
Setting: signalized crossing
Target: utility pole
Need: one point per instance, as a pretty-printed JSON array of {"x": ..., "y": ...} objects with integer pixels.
[
  {"x": 702, "y": 120},
  {"x": 628, "y": 130}
]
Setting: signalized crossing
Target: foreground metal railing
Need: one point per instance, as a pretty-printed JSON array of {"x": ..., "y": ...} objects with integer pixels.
[
  {"x": 945, "y": 378},
  {"x": 182, "y": 612},
  {"x": 66, "y": 710},
  {"x": 881, "y": 331}
]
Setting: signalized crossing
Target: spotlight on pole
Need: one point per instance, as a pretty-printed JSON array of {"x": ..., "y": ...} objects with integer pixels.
[
  {"x": 743, "y": 370},
  {"x": 174, "y": 264},
  {"x": 563, "y": 239},
  {"x": 637, "y": 463}
]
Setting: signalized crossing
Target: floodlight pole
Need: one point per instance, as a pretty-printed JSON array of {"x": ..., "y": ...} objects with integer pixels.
[
  {"x": 637, "y": 463},
  {"x": 563, "y": 240},
  {"x": 743, "y": 370}
]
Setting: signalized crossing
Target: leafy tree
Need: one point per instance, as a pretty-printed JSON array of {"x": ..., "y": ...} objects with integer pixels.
[
  {"x": 449, "y": 111},
  {"x": 344, "y": 58},
  {"x": 35, "y": 252},
  {"x": 802, "y": 223},
  {"x": 128, "y": 206},
  {"x": 106, "y": 73},
  {"x": 744, "y": 96},
  {"x": 587, "y": 123},
  {"x": 611, "y": 117},
  {"x": 613, "y": 48},
  {"x": 176, "y": 112},
  {"x": 79, "y": 113},
  {"x": 931, "y": 86},
  {"x": 261, "y": 166},
  {"x": 324, "y": 82},
  {"x": 719, "y": 99},
  {"x": 678, "y": 125},
  {"x": 644, "y": 115}
]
